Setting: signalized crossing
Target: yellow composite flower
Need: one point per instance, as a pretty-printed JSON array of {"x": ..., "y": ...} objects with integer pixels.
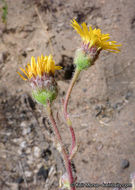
[
  {"x": 94, "y": 37},
  {"x": 45, "y": 64}
]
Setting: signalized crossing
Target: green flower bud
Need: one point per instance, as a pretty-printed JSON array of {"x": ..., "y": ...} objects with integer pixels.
[
  {"x": 42, "y": 96},
  {"x": 82, "y": 60}
]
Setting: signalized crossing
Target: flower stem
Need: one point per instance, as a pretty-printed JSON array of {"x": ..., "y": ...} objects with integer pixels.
[
  {"x": 63, "y": 150},
  {"x": 69, "y": 123}
]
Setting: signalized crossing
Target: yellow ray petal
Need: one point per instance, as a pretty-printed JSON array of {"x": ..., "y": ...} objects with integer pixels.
[
  {"x": 44, "y": 65},
  {"x": 24, "y": 72},
  {"x": 21, "y": 76},
  {"x": 76, "y": 26},
  {"x": 94, "y": 37},
  {"x": 58, "y": 67},
  {"x": 33, "y": 66}
]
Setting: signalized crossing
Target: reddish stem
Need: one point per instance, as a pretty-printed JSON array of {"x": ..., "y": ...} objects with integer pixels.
[
  {"x": 76, "y": 74},
  {"x": 65, "y": 155}
]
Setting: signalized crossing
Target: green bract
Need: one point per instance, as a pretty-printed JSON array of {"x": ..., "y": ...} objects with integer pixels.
[
  {"x": 82, "y": 60},
  {"x": 42, "y": 96}
]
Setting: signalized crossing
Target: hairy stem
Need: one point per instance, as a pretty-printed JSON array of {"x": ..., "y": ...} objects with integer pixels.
[
  {"x": 76, "y": 74},
  {"x": 63, "y": 150}
]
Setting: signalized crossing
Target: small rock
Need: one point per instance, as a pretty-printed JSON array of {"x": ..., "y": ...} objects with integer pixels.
[
  {"x": 23, "y": 124},
  {"x": 29, "y": 49},
  {"x": 37, "y": 152},
  {"x": 26, "y": 131},
  {"x": 23, "y": 144},
  {"x": 8, "y": 133},
  {"x": 125, "y": 164},
  {"x": 28, "y": 173},
  {"x": 43, "y": 173},
  {"x": 28, "y": 151},
  {"x": 19, "y": 152}
]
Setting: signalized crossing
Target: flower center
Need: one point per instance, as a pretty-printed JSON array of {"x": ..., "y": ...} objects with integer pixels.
[
  {"x": 89, "y": 50},
  {"x": 45, "y": 81}
]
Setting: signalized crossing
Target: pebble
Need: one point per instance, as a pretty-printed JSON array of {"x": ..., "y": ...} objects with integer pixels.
[
  {"x": 23, "y": 124},
  {"x": 37, "y": 151},
  {"x": 28, "y": 173},
  {"x": 28, "y": 151},
  {"x": 23, "y": 144},
  {"x": 8, "y": 134},
  {"x": 26, "y": 131},
  {"x": 125, "y": 164},
  {"x": 19, "y": 152},
  {"x": 29, "y": 49}
]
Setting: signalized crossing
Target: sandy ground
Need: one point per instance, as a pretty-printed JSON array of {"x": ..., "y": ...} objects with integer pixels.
[{"x": 102, "y": 104}]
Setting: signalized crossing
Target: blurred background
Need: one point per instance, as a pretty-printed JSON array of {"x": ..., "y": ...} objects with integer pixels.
[{"x": 102, "y": 104}]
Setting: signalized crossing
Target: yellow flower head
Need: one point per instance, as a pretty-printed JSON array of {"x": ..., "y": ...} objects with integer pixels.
[
  {"x": 94, "y": 38},
  {"x": 41, "y": 77},
  {"x": 44, "y": 65}
]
